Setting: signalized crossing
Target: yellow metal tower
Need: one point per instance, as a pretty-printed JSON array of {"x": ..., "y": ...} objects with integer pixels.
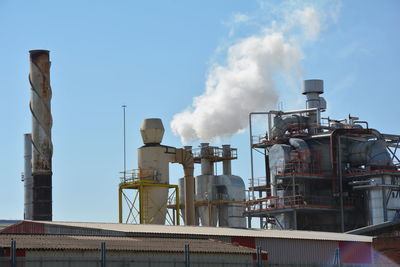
[{"x": 138, "y": 180}]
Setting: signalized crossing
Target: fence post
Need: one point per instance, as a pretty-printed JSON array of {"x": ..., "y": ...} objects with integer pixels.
[
  {"x": 259, "y": 257},
  {"x": 13, "y": 253},
  {"x": 103, "y": 254},
  {"x": 187, "y": 256}
]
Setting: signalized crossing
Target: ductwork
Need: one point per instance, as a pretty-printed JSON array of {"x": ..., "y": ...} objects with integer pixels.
[
  {"x": 371, "y": 153},
  {"x": 185, "y": 158},
  {"x": 281, "y": 125}
]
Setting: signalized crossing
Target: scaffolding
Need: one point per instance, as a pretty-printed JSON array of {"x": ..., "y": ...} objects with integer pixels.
[
  {"x": 135, "y": 181},
  {"x": 213, "y": 154}
]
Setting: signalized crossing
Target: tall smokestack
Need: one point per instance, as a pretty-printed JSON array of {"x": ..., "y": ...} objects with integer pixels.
[
  {"x": 39, "y": 79},
  {"x": 28, "y": 177}
]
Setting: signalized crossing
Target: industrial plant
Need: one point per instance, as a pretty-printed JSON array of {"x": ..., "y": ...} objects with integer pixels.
[
  {"x": 324, "y": 174},
  {"x": 330, "y": 196}
]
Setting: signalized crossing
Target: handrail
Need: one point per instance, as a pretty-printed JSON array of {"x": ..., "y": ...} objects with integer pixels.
[{"x": 136, "y": 175}]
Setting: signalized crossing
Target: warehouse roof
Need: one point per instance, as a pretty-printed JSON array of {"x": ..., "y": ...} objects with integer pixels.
[
  {"x": 138, "y": 244},
  {"x": 6, "y": 223},
  {"x": 377, "y": 229},
  {"x": 174, "y": 231}
]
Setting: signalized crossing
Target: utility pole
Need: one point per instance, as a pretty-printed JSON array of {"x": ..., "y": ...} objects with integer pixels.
[{"x": 123, "y": 108}]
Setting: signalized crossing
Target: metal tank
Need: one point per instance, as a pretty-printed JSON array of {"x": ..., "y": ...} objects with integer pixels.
[
  {"x": 230, "y": 188},
  {"x": 154, "y": 165},
  {"x": 219, "y": 198},
  {"x": 205, "y": 188}
]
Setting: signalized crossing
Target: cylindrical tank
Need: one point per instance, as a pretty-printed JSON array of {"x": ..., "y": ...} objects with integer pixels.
[
  {"x": 153, "y": 159},
  {"x": 205, "y": 184},
  {"x": 312, "y": 89},
  {"x": 207, "y": 167}
]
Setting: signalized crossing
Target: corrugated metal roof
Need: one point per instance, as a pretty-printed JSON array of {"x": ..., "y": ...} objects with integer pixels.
[
  {"x": 143, "y": 244},
  {"x": 211, "y": 231},
  {"x": 6, "y": 223},
  {"x": 376, "y": 228}
]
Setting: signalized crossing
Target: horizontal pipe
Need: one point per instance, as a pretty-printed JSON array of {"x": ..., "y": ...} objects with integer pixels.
[
  {"x": 376, "y": 185},
  {"x": 279, "y": 112}
]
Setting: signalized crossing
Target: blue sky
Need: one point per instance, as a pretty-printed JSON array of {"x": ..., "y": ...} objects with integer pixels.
[{"x": 155, "y": 56}]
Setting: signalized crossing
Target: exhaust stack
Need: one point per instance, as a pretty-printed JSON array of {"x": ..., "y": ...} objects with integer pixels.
[{"x": 42, "y": 122}]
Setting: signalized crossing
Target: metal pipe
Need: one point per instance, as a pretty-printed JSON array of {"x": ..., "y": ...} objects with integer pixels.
[
  {"x": 207, "y": 167},
  {"x": 377, "y": 185},
  {"x": 28, "y": 190},
  {"x": 366, "y": 123},
  {"x": 42, "y": 122},
  {"x": 124, "y": 107},
  {"x": 280, "y": 112},
  {"x": 251, "y": 155},
  {"x": 226, "y": 163},
  {"x": 185, "y": 158},
  {"x": 340, "y": 185}
]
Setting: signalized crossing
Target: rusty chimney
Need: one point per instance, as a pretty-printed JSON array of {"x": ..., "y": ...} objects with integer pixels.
[{"x": 42, "y": 121}]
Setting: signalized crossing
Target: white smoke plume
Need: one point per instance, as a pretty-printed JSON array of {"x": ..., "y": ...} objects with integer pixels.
[{"x": 246, "y": 82}]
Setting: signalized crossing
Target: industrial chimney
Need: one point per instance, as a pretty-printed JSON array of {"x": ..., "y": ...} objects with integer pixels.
[{"x": 42, "y": 147}]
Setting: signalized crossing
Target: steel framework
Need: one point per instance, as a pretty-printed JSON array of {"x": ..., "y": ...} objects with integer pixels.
[{"x": 137, "y": 181}]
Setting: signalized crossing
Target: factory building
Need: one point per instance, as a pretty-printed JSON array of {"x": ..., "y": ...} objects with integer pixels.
[
  {"x": 323, "y": 174},
  {"x": 320, "y": 175},
  {"x": 282, "y": 246},
  {"x": 83, "y": 250}
]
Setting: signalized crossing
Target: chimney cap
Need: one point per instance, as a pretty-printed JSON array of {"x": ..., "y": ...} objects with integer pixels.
[{"x": 313, "y": 86}]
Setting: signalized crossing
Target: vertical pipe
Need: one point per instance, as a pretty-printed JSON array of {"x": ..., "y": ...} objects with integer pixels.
[
  {"x": 190, "y": 216},
  {"x": 207, "y": 167},
  {"x": 384, "y": 205},
  {"x": 177, "y": 205},
  {"x": 269, "y": 126},
  {"x": 40, "y": 106},
  {"x": 339, "y": 152},
  {"x": 251, "y": 159},
  {"x": 28, "y": 177},
  {"x": 226, "y": 163},
  {"x": 267, "y": 173},
  {"x": 124, "y": 107}
]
